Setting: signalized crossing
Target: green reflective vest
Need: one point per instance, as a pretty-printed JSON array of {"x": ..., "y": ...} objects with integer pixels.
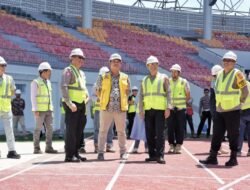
[
  {"x": 96, "y": 106},
  {"x": 154, "y": 96},
  {"x": 227, "y": 97},
  {"x": 246, "y": 104},
  {"x": 77, "y": 90},
  {"x": 44, "y": 95},
  {"x": 132, "y": 108},
  {"x": 5, "y": 94},
  {"x": 178, "y": 92}
]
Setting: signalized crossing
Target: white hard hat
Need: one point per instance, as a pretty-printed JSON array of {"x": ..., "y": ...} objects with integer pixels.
[
  {"x": 176, "y": 67},
  {"x": 77, "y": 52},
  {"x": 152, "y": 59},
  {"x": 2, "y": 61},
  {"x": 103, "y": 70},
  {"x": 18, "y": 91},
  {"x": 115, "y": 56},
  {"x": 44, "y": 66},
  {"x": 134, "y": 88},
  {"x": 230, "y": 55},
  {"x": 216, "y": 69}
]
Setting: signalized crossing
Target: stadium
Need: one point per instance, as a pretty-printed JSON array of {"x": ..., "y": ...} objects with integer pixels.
[{"x": 192, "y": 33}]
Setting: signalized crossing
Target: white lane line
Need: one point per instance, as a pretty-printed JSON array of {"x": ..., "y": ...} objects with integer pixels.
[
  {"x": 27, "y": 169},
  {"x": 32, "y": 167},
  {"x": 217, "y": 178},
  {"x": 118, "y": 171},
  {"x": 234, "y": 182}
]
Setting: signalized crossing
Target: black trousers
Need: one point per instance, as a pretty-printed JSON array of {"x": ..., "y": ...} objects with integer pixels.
[
  {"x": 74, "y": 128},
  {"x": 176, "y": 125},
  {"x": 82, "y": 141},
  {"x": 131, "y": 117},
  {"x": 154, "y": 126},
  {"x": 189, "y": 120},
  {"x": 205, "y": 115},
  {"x": 226, "y": 121}
]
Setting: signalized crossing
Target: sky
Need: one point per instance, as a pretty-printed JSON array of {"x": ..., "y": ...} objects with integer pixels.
[{"x": 243, "y": 5}]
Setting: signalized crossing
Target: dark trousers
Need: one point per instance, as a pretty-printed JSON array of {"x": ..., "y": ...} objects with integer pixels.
[
  {"x": 131, "y": 117},
  {"x": 205, "y": 115},
  {"x": 74, "y": 128},
  {"x": 189, "y": 120},
  {"x": 82, "y": 142},
  {"x": 229, "y": 121},
  {"x": 154, "y": 126},
  {"x": 176, "y": 126}
]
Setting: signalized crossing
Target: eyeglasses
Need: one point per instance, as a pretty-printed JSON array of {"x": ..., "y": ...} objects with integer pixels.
[
  {"x": 228, "y": 60},
  {"x": 80, "y": 57},
  {"x": 3, "y": 65}
]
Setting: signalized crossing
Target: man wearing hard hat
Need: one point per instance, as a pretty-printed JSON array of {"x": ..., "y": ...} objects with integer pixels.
[
  {"x": 154, "y": 106},
  {"x": 180, "y": 91},
  {"x": 95, "y": 110},
  {"x": 75, "y": 96},
  {"x": 7, "y": 88},
  {"x": 131, "y": 109},
  {"x": 18, "y": 105},
  {"x": 230, "y": 92},
  {"x": 113, "y": 88},
  {"x": 42, "y": 107}
]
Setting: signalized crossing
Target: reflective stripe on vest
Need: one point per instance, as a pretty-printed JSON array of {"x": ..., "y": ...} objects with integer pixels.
[
  {"x": 246, "y": 104},
  {"x": 77, "y": 90},
  {"x": 227, "y": 97},
  {"x": 5, "y": 94},
  {"x": 154, "y": 96},
  {"x": 106, "y": 89},
  {"x": 178, "y": 93},
  {"x": 44, "y": 95},
  {"x": 132, "y": 107}
]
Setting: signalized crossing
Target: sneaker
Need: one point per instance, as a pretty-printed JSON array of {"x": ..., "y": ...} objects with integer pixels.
[
  {"x": 51, "y": 150},
  {"x": 13, "y": 155},
  {"x": 135, "y": 150},
  {"x": 82, "y": 150},
  {"x": 171, "y": 149},
  {"x": 222, "y": 151},
  {"x": 177, "y": 149},
  {"x": 110, "y": 149},
  {"x": 37, "y": 151},
  {"x": 124, "y": 156},
  {"x": 100, "y": 156}
]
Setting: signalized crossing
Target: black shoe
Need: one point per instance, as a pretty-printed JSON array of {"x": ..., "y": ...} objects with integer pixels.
[
  {"x": 73, "y": 159},
  {"x": 81, "y": 158},
  {"x": 233, "y": 159},
  {"x": 151, "y": 159},
  {"x": 37, "y": 151},
  {"x": 211, "y": 159},
  {"x": 100, "y": 156},
  {"x": 13, "y": 155},
  {"x": 82, "y": 150},
  {"x": 161, "y": 160}
]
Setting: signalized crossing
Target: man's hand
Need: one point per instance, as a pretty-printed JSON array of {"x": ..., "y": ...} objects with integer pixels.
[
  {"x": 73, "y": 107},
  {"x": 167, "y": 113}
]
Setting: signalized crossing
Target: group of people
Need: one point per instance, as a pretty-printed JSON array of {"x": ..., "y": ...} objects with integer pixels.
[{"x": 162, "y": 101}]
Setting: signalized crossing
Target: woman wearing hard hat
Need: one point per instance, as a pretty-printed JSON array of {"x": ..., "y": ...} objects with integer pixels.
[{"x": 230, "y": 92}]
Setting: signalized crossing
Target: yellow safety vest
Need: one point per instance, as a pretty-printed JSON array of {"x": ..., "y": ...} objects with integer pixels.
[
  {"x": 246, "y": 104},
  {"x": 96, "y": 106},
  {"x": 132, "y": 108},
  {"x": 154, "y": 96},
  {"x": 227, "y": 97},
  {"x": 5, "y": 94},
  {"x": 178, "y": 92},
  {"x": 106, "y": 88},
  {"x": 77, "y": 90},
  {"x": 44, "y": 95}
]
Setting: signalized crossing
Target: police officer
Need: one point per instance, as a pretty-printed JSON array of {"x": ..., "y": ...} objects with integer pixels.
[
  {"x": 42, "y": 107},
  {"x": 131, "y": 109},
  {"x": 177, "y": 121},
  {"x": 230, "y": 91},
  {"x": 155, "y": 104},
  {"x": 74, "y": 93},
  {"x": 7, "y": 88}
]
